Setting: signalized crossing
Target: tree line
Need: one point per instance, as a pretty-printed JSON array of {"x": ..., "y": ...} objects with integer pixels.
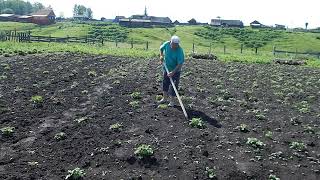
[
  {"x": 19, "y": 7},
  {"x": 80, "y": 10}
]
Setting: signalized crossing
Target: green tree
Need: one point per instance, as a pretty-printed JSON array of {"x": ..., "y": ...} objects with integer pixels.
[
  {"x": 307, "y": 25},
  {"x": 89, "y": 13},
  {"x": 7, "y": 11},
  {"x": 37, "y": 6},
  {"x": 19, "y": 7}
]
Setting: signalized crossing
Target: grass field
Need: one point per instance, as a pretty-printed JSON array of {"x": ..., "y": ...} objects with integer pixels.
[{"x": 216, "y": 38}]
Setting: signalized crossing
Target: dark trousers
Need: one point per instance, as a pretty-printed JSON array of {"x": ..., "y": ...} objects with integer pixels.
[{"x": 166, "y": 84}]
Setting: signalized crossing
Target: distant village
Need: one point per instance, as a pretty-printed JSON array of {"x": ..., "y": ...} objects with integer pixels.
[{"x": 47, "y": 17}]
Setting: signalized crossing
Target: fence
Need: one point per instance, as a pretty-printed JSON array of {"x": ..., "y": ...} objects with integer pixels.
[
  {"x": 275, "y": 52},
  {"x": 27, "y": 37}
]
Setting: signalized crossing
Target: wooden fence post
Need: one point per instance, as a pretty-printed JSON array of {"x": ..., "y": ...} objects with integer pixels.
[
  {"x": 256, "y": 50},
  {"x": 101, "y": 40},
  {"x": 116, "y": 42},
  {"x": 274, "y": 51},
  {"x": 15, "y": 34},
  {"x": 224, "y": 49},
  {"x": 29, "y": 36},
  {"x": 241, "y": 48},
  {"x": 147, "y": 45},
  {"x": 10, "y": 36},
  {"x": 193, "y": 47},
  {"x": 131, "y": 43}
]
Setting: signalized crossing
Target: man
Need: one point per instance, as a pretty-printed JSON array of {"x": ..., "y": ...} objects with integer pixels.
[{"x": 172, "y": 55}]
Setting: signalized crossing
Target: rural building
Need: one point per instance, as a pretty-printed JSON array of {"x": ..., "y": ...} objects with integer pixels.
[
  {"x": 226, "y": 23},
  {"x": 25, "y": 19},
  {"x": 44, "y": 17},
  {"x": 192, "y": 22},
  {"x": 160, "y": 21},
  {"x": 8, "y": 17},
  {"x": 117, "y": 19},
  {"x": 256, "y": 24},
  {"x": 135, "y": 23},
  {"x": 176, "y": 22},
  {"x": 279, "y": 26},
  {"x": 80, "y": 18}
]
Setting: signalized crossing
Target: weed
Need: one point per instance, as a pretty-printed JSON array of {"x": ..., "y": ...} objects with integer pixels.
[
  {"x": 162, "y": 106},
  {"x": 196, "y": 123},
  {"x": 260, "y": 116},
  {"x": 159, "y": 97},
  {"x": 76, "y": 173},
  {"x": 92, "y": 73},
  {"x": 254, "y": 142},
  {"x": 82, "y": 119},
  {"x": 273, "y": 177},
  {"x": 7, "y": 131},
  {"x": 134, "y": 104},
  {"x": 303, "y": 107},
  {"x": 2, "y": 77},
  {"x": 143, "y": 151},
  {"x": 37, "y": 99},
  {"x": 60, "y": 136},
  {"x": 117, "y": 127},
  {"x": 210, "y": 173},
  {"x": 243, "y": 128},
  {"x": 136, "y": 95},
  {"x": 269, "y": 134},
  {"x": 300, "y": 146},
  {"x": 309, "y": 129}
]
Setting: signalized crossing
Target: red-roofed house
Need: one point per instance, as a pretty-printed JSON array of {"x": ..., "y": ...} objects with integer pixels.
[{"x": 44, "y": 17}]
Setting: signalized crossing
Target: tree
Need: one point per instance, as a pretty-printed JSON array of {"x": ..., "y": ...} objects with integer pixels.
[
  {"x": 89, "y": 13},
  {"x": 19, "y": 7},
  {"x": 192, "y": 21},
  {"x": 80, "y": 10},
  {"x": 307, "y": 25},
  {"x": 7, "y": 11}
]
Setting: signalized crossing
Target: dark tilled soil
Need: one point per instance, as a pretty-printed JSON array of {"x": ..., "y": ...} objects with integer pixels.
[{"x": 96, "y": 91}]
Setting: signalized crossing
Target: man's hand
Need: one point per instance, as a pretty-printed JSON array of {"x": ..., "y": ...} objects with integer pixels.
[
  {"x": 171, "y": 74},
  {"x": 161, "y": 59}
]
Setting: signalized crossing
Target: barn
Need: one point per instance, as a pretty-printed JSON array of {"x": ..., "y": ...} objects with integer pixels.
[
  {"x": 226, "y": 23},
  {"x": 44, "y": 17}
]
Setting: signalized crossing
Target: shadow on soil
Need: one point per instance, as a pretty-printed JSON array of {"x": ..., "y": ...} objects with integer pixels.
[{"x": 198, "y": 114}]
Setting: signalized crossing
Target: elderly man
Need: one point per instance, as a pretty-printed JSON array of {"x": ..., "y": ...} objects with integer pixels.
[{"x": 172, "y": 55}]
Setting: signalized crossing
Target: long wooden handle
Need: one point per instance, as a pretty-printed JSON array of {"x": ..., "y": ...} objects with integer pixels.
[{"x": 176, "y": 91}]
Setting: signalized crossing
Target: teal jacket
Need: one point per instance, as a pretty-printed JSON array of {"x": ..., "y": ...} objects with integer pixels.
[{"x": 172, "y": 57}]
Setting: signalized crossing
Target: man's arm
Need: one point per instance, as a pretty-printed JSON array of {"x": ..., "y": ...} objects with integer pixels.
[
  {"x": 178, "y": 68},
  {"x": 161, "y": 56},
  {"x": 162, "y": 48}
]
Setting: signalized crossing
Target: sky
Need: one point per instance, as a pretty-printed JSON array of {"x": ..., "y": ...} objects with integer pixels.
[{"x": 294, "y": 13}]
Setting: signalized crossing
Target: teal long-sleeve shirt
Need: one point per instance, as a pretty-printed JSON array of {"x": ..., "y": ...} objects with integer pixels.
[{"x": 172, "y": 57}]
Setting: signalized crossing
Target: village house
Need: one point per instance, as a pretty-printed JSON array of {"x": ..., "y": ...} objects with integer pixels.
[
  {"x": 8, "y": 17},
  {"x": 41, "y": 17},
  {"x": 256, "y": 24},
  {"x": 44, "y": 17},
  {"x": 136, "y": 21},
  {"x": 279, "y": 26},
  {"x": 226, "y": 23}
]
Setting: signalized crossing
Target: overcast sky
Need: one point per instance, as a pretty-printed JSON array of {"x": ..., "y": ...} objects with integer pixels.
[{"x": 292, "y": 13}]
